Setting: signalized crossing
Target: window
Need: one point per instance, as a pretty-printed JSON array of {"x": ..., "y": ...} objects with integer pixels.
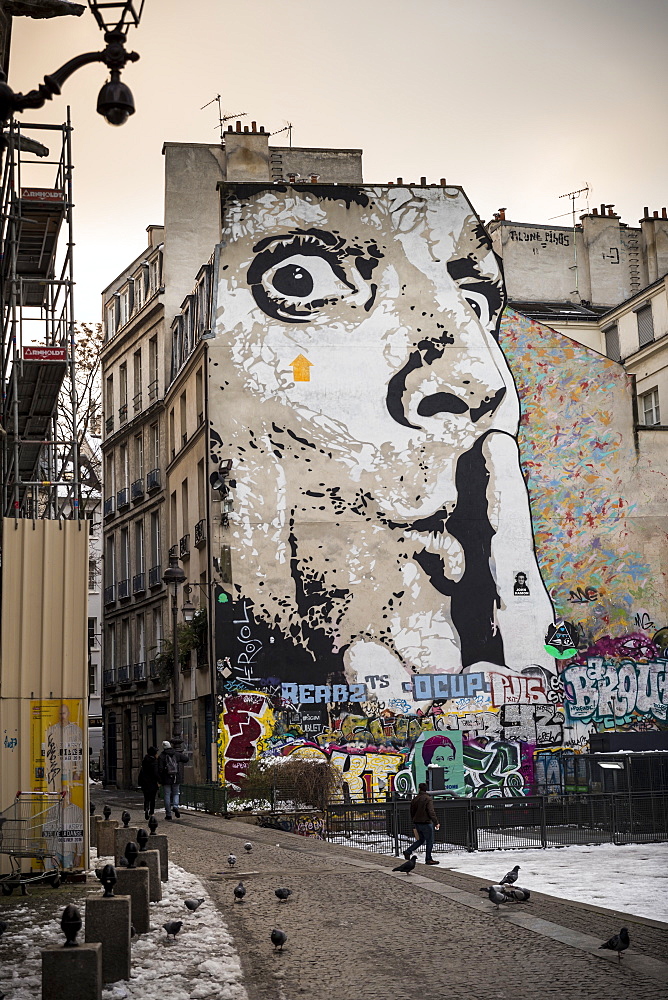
[
  {"x": 139, "y": 289},
  {"x": 184, "y": 418},
  {"x": 109, "y": 397},
  {"x": 136, "y": 399},
  {"x": 141, "y": 639},
  {"x": 110, "y": 562},
  {"x": 125, "y": 466},
  {"x": 110, "y": 315},
  {"x": 645, "y": 326},
  {"x": 153, "y": 368},
  {"x": 187, "y": 724},
  {"x": 123, "y": 391},
  {"x": 185, "y": 514},
  {"x": 157, "y": 630},
  {"x": 201, "y": 490},
  {"x": 92, "y": 574},
  {"x": 139, "y": 456},
  {"x": 125, "y": 642},
  {"x": 155, "y": 538},
  {"x": 124, "y": 306},
  {"x": 154, "y": 275},
  {"x": 172, "y": 518},
  {"x": 155, "y": 446},
  {"x": 92, "y": 668},
  {"x": 649, "y": 408},
  {"x": 172, "y": 433},
  {"x": 199, "y": 396},
  {"x": 110, "y": 652},
  {"x": 139, "y": 546},
  {"x": 110, "y": 475},
  {"x": 612, "y": 343},
  {"x": 124, "y": 569}
]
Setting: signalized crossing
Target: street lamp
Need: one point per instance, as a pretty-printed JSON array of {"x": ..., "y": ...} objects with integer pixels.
[
  {"x": 115, "y": 102},
  {"x": 175, "y": 575},
  {"x": 189, "y": 610}
]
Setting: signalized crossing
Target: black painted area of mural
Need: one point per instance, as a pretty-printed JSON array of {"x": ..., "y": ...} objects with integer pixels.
[
  {"x": 474, "y": 599},
  {"x": 251, "y": 650},
  {"x": 230, "y": 191}
]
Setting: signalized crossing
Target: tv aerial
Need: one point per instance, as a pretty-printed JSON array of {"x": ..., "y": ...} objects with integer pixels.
[
  {"x": 586, "y": 190},
  {"x": 288, "y": 129},
  {"x": 221, "y": 117}
]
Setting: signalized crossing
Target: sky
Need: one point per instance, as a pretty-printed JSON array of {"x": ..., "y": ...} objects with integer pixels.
[{"x": 517, "y": 101}]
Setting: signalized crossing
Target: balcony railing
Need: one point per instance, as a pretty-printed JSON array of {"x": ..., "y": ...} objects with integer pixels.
[
  {"x": 136, "y": 402},
  {"x": 123, "y": 589},
  {"x": 153, "y": 480},
  {"x": 139, "y": 583},
  {"x": 108, "y": 509},
  {"x": 173, "y": 551},
  {"x": 110, "y": 594},
  {"x": 109, "y": 424},
  {"x": 124, "y": 674},
  {"x": 200, "y": 533},
  {"x": 184, "y": 547},
  {"x": 109, "y": 677},
  {"x": 123, "y": 498},
  {"x": 139, "y": 671},
  {"x": 123, "y": 413},
  {"x": 155, "y": 576},
  {"x": 137, "y": 489},
  {"x": 153, "y": 390}
]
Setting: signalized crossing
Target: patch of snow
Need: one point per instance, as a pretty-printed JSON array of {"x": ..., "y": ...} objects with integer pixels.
[
  {"x": 632, "y": 878},
  {"x": 201, "y": 964}
]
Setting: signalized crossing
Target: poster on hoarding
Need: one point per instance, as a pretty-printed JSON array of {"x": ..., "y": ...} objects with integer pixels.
[{"x": 57, "y": 741}]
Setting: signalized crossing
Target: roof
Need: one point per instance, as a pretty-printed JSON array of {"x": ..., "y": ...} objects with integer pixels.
[
  {"x": 555, "y": 312},
  {"x": 43, "y": 8}
]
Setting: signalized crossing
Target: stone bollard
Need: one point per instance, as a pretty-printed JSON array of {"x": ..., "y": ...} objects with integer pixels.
[
  {"x": 158, "y": 842},
  {"x": 151, "y": 860},
  {"x": 92, "y": 829},
  {"x": 122, "y": 837},
  {"x": 106, "y": 840},
  {"x": 75, "y": 973},
  {"x": 108, "y": 921},
  {"x": 133, "y": 882}
]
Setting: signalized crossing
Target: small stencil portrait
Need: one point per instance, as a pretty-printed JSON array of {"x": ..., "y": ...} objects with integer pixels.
[
  {"x": 358, "y": 385},
  {"x": 520, "y": 587}
]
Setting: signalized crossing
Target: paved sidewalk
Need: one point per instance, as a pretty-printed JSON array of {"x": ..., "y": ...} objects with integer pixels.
[{"x": 356, "y": 930}]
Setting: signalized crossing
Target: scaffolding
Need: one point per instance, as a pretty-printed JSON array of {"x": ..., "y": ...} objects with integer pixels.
[{"x": 40, "y": 460}]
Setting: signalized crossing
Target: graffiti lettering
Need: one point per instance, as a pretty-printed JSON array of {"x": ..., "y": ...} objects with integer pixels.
[
  {"x": 318, "y": 694},
  {"x": 516, "y": 689},
  {"x": 435, "y": 687},
  {"x": 495, "y": 768},
  {"x": 604, "y": 690},
  {"x": 580, "y": 596}
]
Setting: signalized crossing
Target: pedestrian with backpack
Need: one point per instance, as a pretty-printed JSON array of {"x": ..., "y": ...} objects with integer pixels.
[{"x": 168, "y": 773}]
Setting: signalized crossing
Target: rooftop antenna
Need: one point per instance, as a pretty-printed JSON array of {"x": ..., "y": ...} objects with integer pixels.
[
  {"x": 288, "y": 129},
  {"x": 221, "y": 117},
  {"x": 573, "y": 195}
]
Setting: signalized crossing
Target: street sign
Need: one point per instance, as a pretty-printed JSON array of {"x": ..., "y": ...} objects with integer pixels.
[{"x": 43, "y": 352}]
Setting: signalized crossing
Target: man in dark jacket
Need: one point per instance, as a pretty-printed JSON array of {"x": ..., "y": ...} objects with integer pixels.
[
  {"x": 170, "y": 778},
  {"x": 148, "y": 780},
  {"x": 425, "y": 822}
]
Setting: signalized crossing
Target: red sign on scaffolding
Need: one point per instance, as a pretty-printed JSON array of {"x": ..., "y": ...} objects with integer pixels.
[
  {"x": 41, "y": 194},
  {"x": 44, "y": 353}
]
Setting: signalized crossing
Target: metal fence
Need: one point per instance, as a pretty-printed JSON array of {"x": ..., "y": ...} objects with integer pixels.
[{"x": 502, "y": 823}]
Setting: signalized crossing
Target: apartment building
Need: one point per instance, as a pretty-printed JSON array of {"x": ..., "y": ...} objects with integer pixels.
[{"x": 157, "y": 497}]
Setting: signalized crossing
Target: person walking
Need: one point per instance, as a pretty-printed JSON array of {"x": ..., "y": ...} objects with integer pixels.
[
  {"x": 148, "y": 780},
  {"x": 168, "y": 774},
  {"x": 425, "y": 822}
]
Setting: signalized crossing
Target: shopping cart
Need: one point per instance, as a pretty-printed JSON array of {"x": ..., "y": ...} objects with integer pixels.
[{"x": 31, "y": 828}]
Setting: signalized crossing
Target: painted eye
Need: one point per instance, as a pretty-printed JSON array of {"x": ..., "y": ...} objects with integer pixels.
[
  {"x": 480, "y": 306},
  {"x": 295, "y": 286}
]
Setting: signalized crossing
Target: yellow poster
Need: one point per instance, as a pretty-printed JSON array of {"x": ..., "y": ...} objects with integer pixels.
[{"x": 57, "y": 731}]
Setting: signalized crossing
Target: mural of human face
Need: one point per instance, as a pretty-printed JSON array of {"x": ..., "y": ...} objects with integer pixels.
[
  {"x": 358, "y": 386},
  {"x": 444, "y": 757}
]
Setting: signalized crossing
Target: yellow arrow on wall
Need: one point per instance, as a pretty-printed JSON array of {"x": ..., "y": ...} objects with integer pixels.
[{"x": 301, "y": 368}]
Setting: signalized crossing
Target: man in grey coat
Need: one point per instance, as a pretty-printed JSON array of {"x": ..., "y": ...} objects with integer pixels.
[{"x": 170, "y": 777}]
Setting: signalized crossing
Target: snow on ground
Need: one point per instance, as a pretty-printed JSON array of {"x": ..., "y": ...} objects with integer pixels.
[
  {"x": 201, "y": 964},
  {"x": 632, "y": 877}
]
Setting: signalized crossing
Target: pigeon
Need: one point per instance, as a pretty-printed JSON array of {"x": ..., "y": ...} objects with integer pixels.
[
  {"x": 525, "y": 892},
  {"x": 518, "y": 895},
  {"x": 231, "y": 860},
  {"x": 495, "y": 894},
  {"x": 248, "y": 847},
  {"x": 173, "y": 927},
  {"x": 3, "y": 927},
  {"x": 510, "y": 877},
  {"x": 618, "y": 942},
  {"x": 193, "y": 904},
  {"x": 283, "y": 894},
  {"x": 278, "y": 938},
  {"x": 239, "y": 892},
  {"x": 408, "y": 866}
]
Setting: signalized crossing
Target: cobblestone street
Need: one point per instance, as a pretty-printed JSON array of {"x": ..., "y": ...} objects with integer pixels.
[{"x": 355, "y": 929}]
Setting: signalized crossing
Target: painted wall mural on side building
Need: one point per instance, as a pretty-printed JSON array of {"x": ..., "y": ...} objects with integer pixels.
[{"x": 421, "y": 484}]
